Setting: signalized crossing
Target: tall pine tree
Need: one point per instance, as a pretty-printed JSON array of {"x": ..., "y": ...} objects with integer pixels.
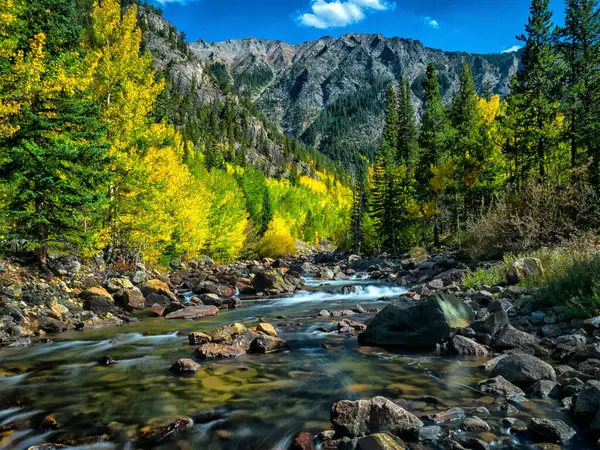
[
  {"x": 535, "y": 89},
  {"x": 579, "y": 45},
  {"x": 433, "y": 140},
  {"x": 407, "y": 129}
]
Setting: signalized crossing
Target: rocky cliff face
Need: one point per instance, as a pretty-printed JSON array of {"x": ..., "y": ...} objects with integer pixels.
[{"x": 296, "y": 84}]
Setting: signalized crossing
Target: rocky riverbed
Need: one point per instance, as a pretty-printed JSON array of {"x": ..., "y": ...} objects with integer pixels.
[{"x": 330, "y": 351}]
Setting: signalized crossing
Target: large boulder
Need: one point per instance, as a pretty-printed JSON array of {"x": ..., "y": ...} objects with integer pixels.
[
  {"x": 548, "y": 430},
  {"x": 268, "y": 344},
  {"x": 209, "y": 287},
  {"x": 273, "y": 282},
  {"x": 586, "y": 406},
  {"x": 156, "y": 287},
  {"x": 524, "y": 268},
  {"x": 193, "y": 312},
  {"x": 423, "y": 324},
  {"x": 509, "y": 338},
  {"x": 227, "y": 333},
  {"x": 117, "y": 283},
  {"x": 364, "y": 417},
  {"x": 130, "y": 298},
  {"x": 524, "y": 370}
]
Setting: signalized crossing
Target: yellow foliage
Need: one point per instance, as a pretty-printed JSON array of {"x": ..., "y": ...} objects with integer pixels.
[
  {"x": 277, "y": 241},
  {"x": 442, "y": 175}
]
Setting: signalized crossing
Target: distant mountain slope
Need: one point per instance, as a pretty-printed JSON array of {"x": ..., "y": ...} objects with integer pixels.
[
  {"x": 329, "y": 92},
  {"x": 208, "y": 113}
]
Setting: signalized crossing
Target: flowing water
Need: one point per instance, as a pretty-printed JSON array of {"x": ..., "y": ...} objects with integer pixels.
[{"x": 253, "y": 402}]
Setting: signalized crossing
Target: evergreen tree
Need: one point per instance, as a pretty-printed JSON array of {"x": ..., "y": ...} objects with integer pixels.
[
  {"x": 579, "y": 45},
  {"x": 467, "y": 147},
  {"x": 383, "y": 198},
  {"x": 433, "y": 140},
  {"x": 358, "y": 209},
  {"x": 407, "y": 129},
  {"x": 535, "y": 88},
  {"x": 56, "y": 166},
  {"x": 389, "y": 138}
]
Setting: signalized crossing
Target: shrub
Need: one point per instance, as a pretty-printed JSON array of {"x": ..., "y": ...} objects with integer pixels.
[
  {"x": 277, "y": 241},
  {"x": 539, "y": 215}
]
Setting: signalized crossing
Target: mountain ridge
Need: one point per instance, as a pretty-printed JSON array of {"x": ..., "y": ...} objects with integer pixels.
[{"x": 297, "y": 86}]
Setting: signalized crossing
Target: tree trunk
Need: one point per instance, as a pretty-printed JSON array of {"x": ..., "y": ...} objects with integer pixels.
[{"x": 41, "y": 254}]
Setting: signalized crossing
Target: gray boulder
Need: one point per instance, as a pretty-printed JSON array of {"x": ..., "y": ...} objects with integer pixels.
[
  {"x": 586, "y": 406},
  {"x": 510, "y": 338},
  {"x": 499, "y": 386},
  {"x": 273, "y": 282},
  {"x": 464, "y": 346},
  {"x": 422, "y": 324},
  {"x": 546, "y": 430},
  {"x": 524, "y": 370},
  {"x": 364, "y": 417}
]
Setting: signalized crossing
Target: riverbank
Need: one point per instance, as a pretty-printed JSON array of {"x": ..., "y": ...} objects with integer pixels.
[{"x": 476, "y": 385}]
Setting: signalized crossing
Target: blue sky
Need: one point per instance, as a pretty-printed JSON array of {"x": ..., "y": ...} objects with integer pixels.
[{"x": 478, "y": 26}]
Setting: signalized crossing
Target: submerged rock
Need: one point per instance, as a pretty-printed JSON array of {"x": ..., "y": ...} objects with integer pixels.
[
  {"x": 185, "y": 365},
  {"x": 364, "y": 417},
  {"x": 303, "y": 441},
  {"x": 422, "y": 324},
  {"x": 156, "y": 435}
]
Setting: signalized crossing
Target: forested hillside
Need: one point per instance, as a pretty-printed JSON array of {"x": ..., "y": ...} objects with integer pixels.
[
  {"x": 493, "y": 176},
  {"x": 115, "y": 139}
]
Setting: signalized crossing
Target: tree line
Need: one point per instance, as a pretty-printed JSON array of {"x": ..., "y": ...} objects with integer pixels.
[
  {"x": 99, "y": 153},
  {"x": 430, "y": 180}
]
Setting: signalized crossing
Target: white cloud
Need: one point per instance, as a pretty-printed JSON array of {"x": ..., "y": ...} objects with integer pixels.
[
  {"x": 340, "y": 13},
  {"x": 431, "y": 22},
  {"x": 514, "y": 48}
]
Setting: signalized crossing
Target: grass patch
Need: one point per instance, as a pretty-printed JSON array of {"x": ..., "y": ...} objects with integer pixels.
[
  {"x": 571, "y": 278},
  {"x": 484, "y": 277}
]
